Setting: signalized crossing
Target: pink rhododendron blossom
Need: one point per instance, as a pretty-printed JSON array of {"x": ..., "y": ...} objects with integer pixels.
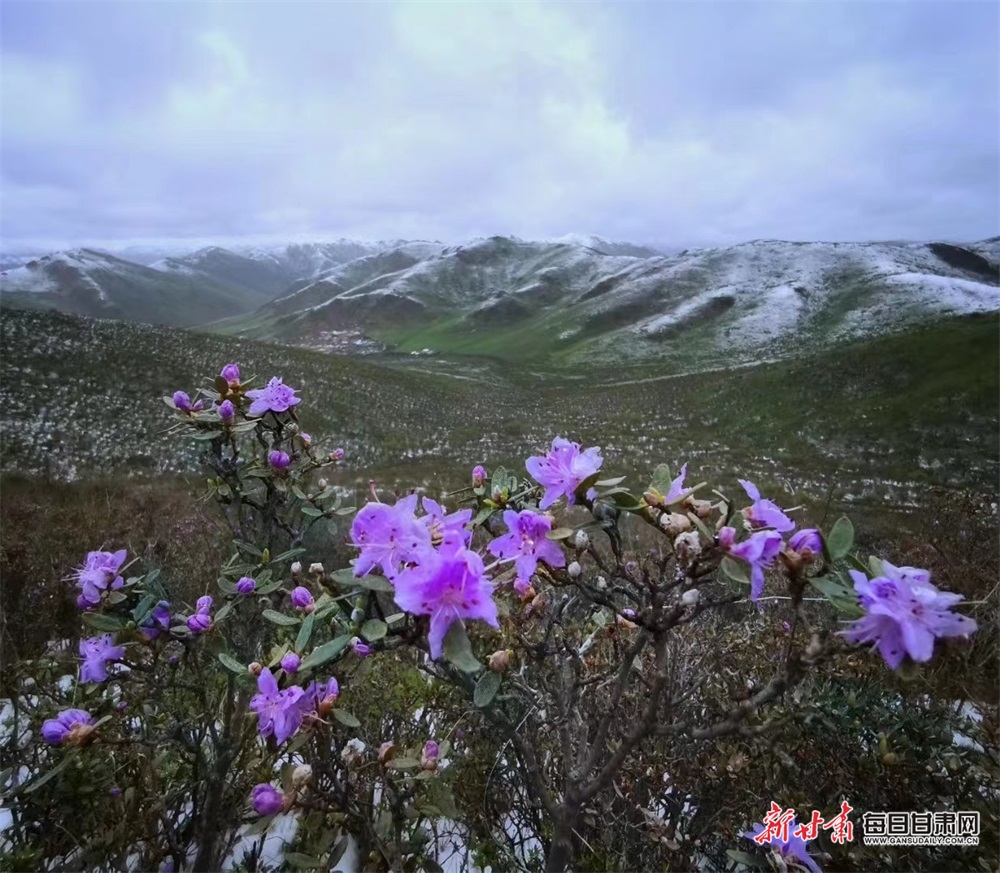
[
  {"x": 526, "y": 543},
  {"x": 276, "y": 396},
  {"x": 904, "y": 614},
  {"x": 96, "y": 652},
  {"x": 759, "y": 551},
  {"x": 563, "y": 469},
  {"x": 57, "y": 730},
  {"x": 389, "y": 536},
  {"x": 764, "y": 513},
  {"x": 794, "y": 847},
  {"x": 99, "y": 573},
  {"x": 278, "y": 712},
  {"x": 267, "y": 800},
  {"x": 448, "y": 585}
]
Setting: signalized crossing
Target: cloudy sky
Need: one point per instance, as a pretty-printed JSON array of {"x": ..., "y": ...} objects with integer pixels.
[{"x": 672, "y": 123}]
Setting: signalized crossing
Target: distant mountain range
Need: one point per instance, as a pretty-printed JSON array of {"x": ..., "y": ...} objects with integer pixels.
[{"x": 567, "y": 301}]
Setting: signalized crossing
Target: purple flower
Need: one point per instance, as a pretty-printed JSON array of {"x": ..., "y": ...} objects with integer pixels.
[
  {"x": 449, "y": 585},
  {"x": 319, "y": 696},
  {"x": 764, "y": 513},
  {"x": 278, "y": 712},
  {"x": 98, "y": 573},
  {"x": 302, "y": 598},
  {"x": 677, "y": 490},
  {"x": 199, "y": 623},
  {"x": 443, "y": 526},
  {"x": 266, "y": 799},
  {"x": 227, "y": 412},
  {"x": 231, "y": 373},
  {"x": 759, "y": 550},
  {"x": 204, "y": 603},
  {"x": 361, "y": 649},
  {"x": 794, "y": 848},
  {"x": 159, "y": 616},
  {"x": 808, "y": 540},
  {"x": 389, "y": 536},
  {"x": 290, "y": 662},
  {"x": 526, "y": 542},
  {"x": 96, "y": 652},
  {"x": 562, "y": 470},
  {"x": 279, "y": 461},
  {"x": 478, "y": 476},
  {"x": 182, "y": 401},
  {"x": 905, "y": 613},
  {"x": 337, "y": 455},
  {"x": 429, "y": 755},
  {"x": 246, "y": 585},
  {"x": 115, "y": 792},
  {"x": 274, "y": 397},
  {"x": 57, "y": 730}
]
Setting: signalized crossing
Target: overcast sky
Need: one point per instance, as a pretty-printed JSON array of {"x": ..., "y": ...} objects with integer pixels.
[{"x": 668, "y": 123}]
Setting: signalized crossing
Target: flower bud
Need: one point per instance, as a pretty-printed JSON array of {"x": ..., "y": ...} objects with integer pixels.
[
  {"x": 581, "y": 540},
  {"x": 302, "y": 599},
  {"x": 602, "y": 583},
  {"x": 279, "y": 461},
  {"x": 500, "y": 660},
  {"x": 357, "y": 615},
  {"x": 353, "y": 753},
  {"x": 386, "y": 752},
  {"x": 290, "y": 662},
  {"x": 307, "y": 440},
  {"x": 246, "y": 585},
  {"x": 227, "y": 411},
  {"x": 231, "y": 373},
  {"x": 267, "y": 800},
  {"x": 301, "y": 776},
  {"x": 701, "y": 508},
  {"x": 574, "y": 569},
  {"x": 687, "y": 546},
  {"x": 674, "y": 523},
  {"x": 429, "y": 755},
  {"x": 337, "y": 455},
  {"x": 199, "y": 623},
  {"x": 808, "y": 543},
  {"x": 296, "y": 568},
  {"x": 360, "y": 649},
  {"x": 182, "y": 401},
  {"x": 317, "y": 569},
  {"x": 478, "y": 476},
  {"x": 691, "y": 597},
  {"x": 255, "y": 667},
  {"x": 322, "y": 484}
]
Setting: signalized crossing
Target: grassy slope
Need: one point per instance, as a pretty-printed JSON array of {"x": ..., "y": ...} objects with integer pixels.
[{"x": 914, "y": 409}]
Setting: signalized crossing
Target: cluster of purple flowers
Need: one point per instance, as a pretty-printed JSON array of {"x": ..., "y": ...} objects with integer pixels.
[
  {"x": 99, "y": 573},
  {"x": 201, "y": 621},
  {"x": 428, "y": 559},
  {"x": 280, "y": 713},
  {"x": 904, "y": 614}
]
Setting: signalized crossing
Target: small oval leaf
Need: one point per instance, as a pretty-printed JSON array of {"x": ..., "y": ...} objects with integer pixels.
[{"x": 486, "y": 689}]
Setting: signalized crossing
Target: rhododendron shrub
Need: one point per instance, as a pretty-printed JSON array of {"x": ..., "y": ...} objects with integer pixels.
[{"x": 519, "y": 647}]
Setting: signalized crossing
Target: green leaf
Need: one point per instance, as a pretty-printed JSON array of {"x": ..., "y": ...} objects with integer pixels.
[
  {"x": 610, "y": 483},
  {"x": 101, "y": 622},
  {"x": 345, "y": 510},
  {"x": 734, "y": 570},
  {"x": 280, "y": 618},
  {"x": 839, "y": 593},
  {"x": 744, "y": 858},
  {"x": 458, "y": 649},
  {"x": 287, "y": 556},
  {"x": 624, "y": 499},
  {"x": 374, "y": 630},
  {"x": 347, "y": 579},
  {"x": 230, "y": 663},
  {"x": 346, "y": 718},
  {"x": 116, "y": 597},
  {"x": 143, "y": 609},
  {"x": 875, "y": 565},
  {"x": 841, "y": 538},
  {"x": 152, "y": 576},
  {"x": 225, "y": 610},
  {"x": 404, "y": 764},
  {"x": 204, "y": 437},
  {"x": 298, "y": 492},
  {"x": 267, "y": 587},
  {"x": 560, "y": 533},
  {"x": 312, "y": 511},
  {"x": 303, "y": 861},
  {"x": 661, "y": 479},
  {"x": 326, "y": 652},
  {"x": 305, "y": 632},
  {"x": 486, "y": 689},
  {"x": 737, "y": 521},
  {"x": 249, "y": 548},
  {"x": 482, "y": 515}
]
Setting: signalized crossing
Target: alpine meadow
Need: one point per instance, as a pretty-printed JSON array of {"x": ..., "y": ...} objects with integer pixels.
[{"x": 359, "y": 512}]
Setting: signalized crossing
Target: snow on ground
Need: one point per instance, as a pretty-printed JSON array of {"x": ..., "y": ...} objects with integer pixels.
[{"x": 947, "y": 293}]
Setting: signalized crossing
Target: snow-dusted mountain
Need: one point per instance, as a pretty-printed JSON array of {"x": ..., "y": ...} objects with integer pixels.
[
  {"x": 570, "y": 302},
  {"x": 96, "y": 283}
]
